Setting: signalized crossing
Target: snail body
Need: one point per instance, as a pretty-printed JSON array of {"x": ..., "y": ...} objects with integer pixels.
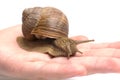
[{"x": 51, "y": 24}]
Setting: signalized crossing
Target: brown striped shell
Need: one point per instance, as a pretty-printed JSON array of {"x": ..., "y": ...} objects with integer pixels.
[{"x": 47, "y": 22}]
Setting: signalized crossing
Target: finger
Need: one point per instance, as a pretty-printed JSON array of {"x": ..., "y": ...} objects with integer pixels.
[
  {"x": 80, "y": 37},
  {"x": 114, "y": 45},
  {"x": 98, "y": 64},
  {"x": 105, "y": 45},
  {"x": 103, "y": 52}
]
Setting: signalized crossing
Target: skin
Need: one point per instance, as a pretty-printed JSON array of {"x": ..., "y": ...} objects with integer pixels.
[{"x": 17, "y": 62}]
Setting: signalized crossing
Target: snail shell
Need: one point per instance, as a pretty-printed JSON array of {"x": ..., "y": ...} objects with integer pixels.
[{"x": 47, "y": 22}]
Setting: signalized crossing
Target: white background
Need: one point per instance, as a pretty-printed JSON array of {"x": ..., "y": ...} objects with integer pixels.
[{"x": 97, "y": 19}]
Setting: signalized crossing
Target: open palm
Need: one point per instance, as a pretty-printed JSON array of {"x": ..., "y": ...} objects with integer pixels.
[{"x": 17, "y": 62}]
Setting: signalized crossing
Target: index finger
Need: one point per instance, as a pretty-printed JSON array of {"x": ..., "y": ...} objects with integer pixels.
[{"x": 106, "y": 45}]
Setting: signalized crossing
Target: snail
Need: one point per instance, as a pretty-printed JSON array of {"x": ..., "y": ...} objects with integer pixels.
[{"x": 49, "y": 24}]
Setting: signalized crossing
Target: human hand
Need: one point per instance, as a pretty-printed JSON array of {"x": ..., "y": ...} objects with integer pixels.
[
  {"x": 16, "y": 62},
  {"x": 101, "y": 57}
]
